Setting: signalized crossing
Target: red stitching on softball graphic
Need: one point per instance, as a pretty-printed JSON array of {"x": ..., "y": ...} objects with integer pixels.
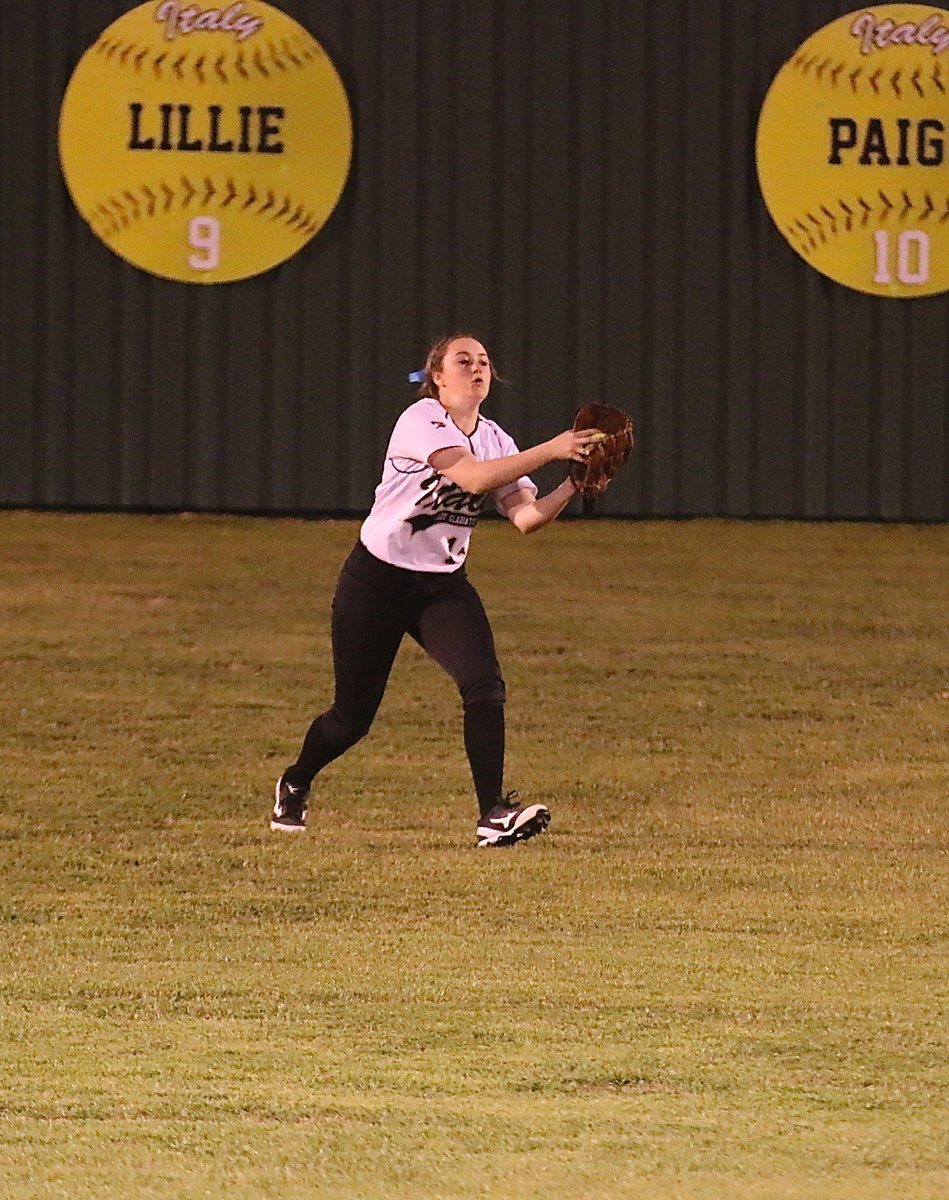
[
  {"x": 818, "y": 231},
  {"x": 290, "y": 53},
  {"x": 118, "y": 212},
  {"x": 878, "y": 82}
]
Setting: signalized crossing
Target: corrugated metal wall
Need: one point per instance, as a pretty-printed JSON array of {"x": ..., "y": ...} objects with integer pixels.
[{"x": 573, "y": 180}]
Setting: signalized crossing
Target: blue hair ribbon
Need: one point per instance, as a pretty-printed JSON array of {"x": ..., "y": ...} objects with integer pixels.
[{"x": 416, "y": 376}]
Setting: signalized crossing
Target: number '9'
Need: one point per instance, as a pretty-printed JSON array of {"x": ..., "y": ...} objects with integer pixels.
[{"x": 204, "y": 236}]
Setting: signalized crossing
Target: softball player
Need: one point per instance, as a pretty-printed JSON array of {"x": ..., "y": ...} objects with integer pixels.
[{"x": 406, "y": 574}]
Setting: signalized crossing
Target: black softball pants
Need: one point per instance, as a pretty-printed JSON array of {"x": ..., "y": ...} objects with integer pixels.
[{"x": 375, "y": 605}]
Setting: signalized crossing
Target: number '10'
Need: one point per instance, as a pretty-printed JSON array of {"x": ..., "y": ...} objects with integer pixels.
[{"x": 912, "y": 257}]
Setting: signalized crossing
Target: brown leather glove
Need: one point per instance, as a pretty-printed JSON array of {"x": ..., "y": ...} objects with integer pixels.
[{"x": 608, "y": 454}]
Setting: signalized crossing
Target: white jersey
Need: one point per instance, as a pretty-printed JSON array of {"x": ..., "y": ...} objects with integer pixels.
[{"x": 420, "y": 520}]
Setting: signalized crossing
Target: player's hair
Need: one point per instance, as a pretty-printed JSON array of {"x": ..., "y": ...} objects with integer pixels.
[{"x": 436, "y": 357}]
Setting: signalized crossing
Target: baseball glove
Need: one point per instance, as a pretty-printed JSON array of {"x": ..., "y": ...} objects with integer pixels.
[{"x": 607, "y": 454}]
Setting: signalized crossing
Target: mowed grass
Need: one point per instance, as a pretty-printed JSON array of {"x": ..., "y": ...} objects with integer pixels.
[{"x": 722, "y": 974}]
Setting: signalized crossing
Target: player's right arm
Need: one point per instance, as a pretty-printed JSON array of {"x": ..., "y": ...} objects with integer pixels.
[{"x": 478, "y": 478}]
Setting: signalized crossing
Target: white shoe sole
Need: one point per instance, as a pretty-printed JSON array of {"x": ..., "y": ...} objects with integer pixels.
[
  {"x": 529, "y": 823},
  {"x": 275, "y": 823}
]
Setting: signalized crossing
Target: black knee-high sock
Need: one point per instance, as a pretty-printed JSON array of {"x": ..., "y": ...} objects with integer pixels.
[
  {"x": 327, "y": 738},
  {"x": 484, "y": 745}
]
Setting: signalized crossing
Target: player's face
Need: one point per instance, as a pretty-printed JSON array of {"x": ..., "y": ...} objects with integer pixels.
[{"x": 465, "y": 373}]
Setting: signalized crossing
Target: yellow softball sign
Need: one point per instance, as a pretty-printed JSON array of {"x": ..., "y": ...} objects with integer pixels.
[
  {"x": 851, "y": 150},
  {"x": 205, "y": 144}
]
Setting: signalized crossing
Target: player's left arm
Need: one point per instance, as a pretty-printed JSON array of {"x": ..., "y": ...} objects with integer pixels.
[{"x": 528, "y": 512}]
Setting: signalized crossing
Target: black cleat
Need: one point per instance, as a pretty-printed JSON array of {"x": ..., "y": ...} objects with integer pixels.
[
  {"x": 289, "y": 810},
  {"x": 503, "y": 825}
]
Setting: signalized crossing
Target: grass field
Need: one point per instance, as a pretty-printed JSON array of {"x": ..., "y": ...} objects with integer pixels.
[{"x": 722, "y": 974}]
